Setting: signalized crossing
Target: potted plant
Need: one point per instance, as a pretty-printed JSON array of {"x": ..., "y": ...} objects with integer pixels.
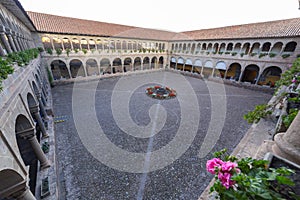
[{"x": 249, "y": 178}]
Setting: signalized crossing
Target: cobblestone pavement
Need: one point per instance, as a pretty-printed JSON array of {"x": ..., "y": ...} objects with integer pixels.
[{"x": 85, "y": 176}]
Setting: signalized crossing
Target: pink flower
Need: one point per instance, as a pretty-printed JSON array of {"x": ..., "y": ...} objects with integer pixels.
[
  {"x": 225, "y": 179},
  {"x": 212, "y": 164},
  {"x": 228, "y": 166}
]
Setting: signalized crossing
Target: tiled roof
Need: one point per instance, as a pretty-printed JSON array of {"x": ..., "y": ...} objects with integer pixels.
[
  {"x": 66, "y": 25},
  {"x": 279, "y": 28}
]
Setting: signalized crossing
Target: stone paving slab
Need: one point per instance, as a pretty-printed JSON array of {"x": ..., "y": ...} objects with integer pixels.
[{"x": 85, "y": 177}]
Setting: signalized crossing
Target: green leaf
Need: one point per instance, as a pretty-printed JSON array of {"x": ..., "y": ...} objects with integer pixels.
[{"x": 284, "y": 180}]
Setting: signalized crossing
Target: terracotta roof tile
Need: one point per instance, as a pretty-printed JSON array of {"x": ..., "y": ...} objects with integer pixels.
[
  {"x": 66, "y": 25},
  {"x": 279, "y": 28}
]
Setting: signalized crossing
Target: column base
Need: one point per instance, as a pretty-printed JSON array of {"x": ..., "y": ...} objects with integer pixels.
[
  {"x": 285, "y": 149},
  {"x": 45, "y": 166}
]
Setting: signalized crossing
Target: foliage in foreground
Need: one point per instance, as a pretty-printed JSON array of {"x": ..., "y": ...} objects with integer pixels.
[{"x": 249, "y": 178}]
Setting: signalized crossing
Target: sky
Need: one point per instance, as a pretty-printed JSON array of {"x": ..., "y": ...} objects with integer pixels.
[{"x": 176, "y": 15}]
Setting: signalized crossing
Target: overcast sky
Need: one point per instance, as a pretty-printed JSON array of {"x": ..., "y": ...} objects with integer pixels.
[{"x": 176, "y": 15}]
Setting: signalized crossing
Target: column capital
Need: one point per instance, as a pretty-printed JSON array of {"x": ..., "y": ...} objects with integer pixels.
[
  {"x": 34, "y": 108},
  {"x": 27, "y": 133}
]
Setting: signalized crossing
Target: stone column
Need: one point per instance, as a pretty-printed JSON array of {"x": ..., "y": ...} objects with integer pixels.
[
  {"x": 39, "y": 152},
  {"x": 4, "y": 41},
  {"x": 2, "y": 52},
  {"x": 42, "y": 108},
  {"x": 287, "y": 144},
  {"x": 11, "y": 42},
  {"x": 34, "y": 110},
  {"x": 29, "y": 134},
  {"x": 26, "y": 195},
  {"x": 16, "y": 42}
]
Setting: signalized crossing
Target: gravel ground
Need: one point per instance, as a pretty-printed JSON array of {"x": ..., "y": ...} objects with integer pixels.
[{"x": 86, "y": 177}]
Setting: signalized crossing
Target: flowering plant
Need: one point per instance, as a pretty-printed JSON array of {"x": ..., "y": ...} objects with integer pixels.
[{"x": 249, "y": 178}]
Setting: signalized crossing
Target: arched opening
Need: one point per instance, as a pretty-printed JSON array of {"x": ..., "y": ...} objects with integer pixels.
[
  {"x": 92, "y": 67},
  {"x": 117, "y": 66},
  {"x": 197, "y": 67},
  {"x": 99, "y": 45},
  {"x": 76, "y": 68},
  {"x": 188, "y": 65},
  {"x": 173, "y": 63},
  {"x": 254, "y": 49},
  {"x": 22, "y": 124},
  {"x": 161, "y": 62},
  {"x": 105, "y": 67},
  {"x": 137, "y": 64},
  {"x": 222, "y": 48},
  {"x": 59, "y": 70},
  {"x": 234, "y": 72},
  {"x": 11, "y": 182},
  {"x": 220, "y": 70},
  {"x": 76, "y": 45},
  {"x": 84, "y": 44},
  {"x": 47, "y": 43},
  {"x": 57, "y": 43},
  {"x": 276, "y": 49},
  {"x": 290, "y": 47},
  {"x": 207, "y": 69},
  {"x": 269, "y": 76},
  {"x": 127, "y": 65},
  {"x": 250, "y": 74},
  {"x": 92, "y": 45},
  {"x": 146, "y": 63},
  {"x": 67, "y": 44},
  {"x": 180, "y": 64},
  {"x": 246, "y": 48},
  {"x": 154, "y": 63}
]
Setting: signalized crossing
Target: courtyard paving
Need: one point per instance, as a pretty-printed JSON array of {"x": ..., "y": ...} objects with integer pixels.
[{"x": 116, "y": 143}]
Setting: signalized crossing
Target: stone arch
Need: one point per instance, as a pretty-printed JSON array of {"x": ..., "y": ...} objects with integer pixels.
[
  {"x": 24, "y": 129},
  {"x": 99, "y": 44},
  {"x": 47, "y": 42},
  {"x": 57, "y": 43},
  {"x": 188, "y": 65},
  {"x": 222, "y": 48},
  {"x": 220, "y": 69},
  {"x": 276, "y": 49},
  {"x": 137, "y": 63},
  {"x": 290, "y": 47},
  {"x": 207, "y": 69},
  {"x": 127, "y": 64},
  {"x": 11, "y": 182},
  {"x": 92, "y": 67},
  {"x": 215, "y": 48},
  {"x": 229, "y": 46},
  {"x": 84, "y": 44},
  {"x": 197, "y": 66},
  {"x": 161, "y": 62},
  {"x": 237, "y": 47},
  {"x": 234, "y": 71},
  {"x": 250, "y": 74},
  {"x": 105, "y": 66},
  {"x": 180, "y": 63},
  {"x": 146, "y": 63},
  {"x": 254, "y": 49},
  {"x": 209, "y": 47},
  {"x": 59, "y": 70},
  {"x": 66, "y": 43},
  {"x": 76, "y": 68},
  {"x": 75, "y": 44},
  {"x": 92, "y": 44},
  {"x": 173, "y": 62},
  {"x": 154, "y": 62},
  {"x": 245, "y": 49},
  {"x": 266, "y": 47},
  {"x": 117, "y": 66},
  {"x": 269, "y": 76}
]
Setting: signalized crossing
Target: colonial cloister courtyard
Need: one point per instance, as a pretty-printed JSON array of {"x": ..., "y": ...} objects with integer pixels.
[{"x": 103, "y": 154}]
